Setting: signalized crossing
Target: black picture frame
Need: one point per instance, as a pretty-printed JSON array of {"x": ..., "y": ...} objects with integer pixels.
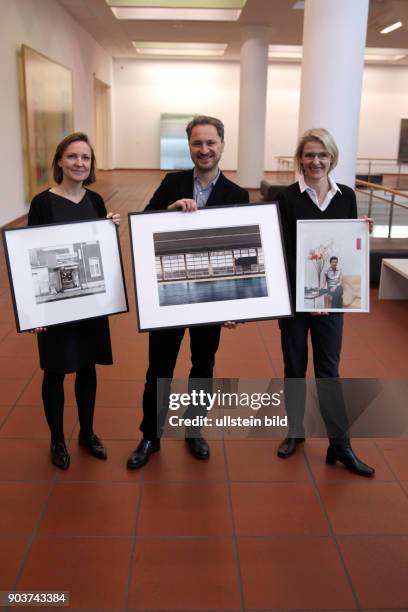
[
  {"x": 66, "y": 272},
  {"x": 207, "y": 267}
]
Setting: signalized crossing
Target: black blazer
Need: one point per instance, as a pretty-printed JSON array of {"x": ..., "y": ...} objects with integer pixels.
[{"x": 177, "y": 185}]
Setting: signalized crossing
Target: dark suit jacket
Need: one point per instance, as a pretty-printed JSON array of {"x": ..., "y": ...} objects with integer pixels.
[{"x": 177, "y": 185}]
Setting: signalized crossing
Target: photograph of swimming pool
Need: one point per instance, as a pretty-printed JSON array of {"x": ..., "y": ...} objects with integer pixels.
[
  {"x": 209, "y": 265},
  {"x": 220, "y": 263}
]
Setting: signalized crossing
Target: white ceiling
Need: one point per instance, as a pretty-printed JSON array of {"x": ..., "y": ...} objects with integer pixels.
[{"x": 285, "y": 25}]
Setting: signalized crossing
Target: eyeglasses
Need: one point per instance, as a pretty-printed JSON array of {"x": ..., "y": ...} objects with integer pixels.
[{"x": 321, "y": 156}]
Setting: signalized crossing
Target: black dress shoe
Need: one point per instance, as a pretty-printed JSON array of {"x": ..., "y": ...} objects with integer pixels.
[
  {"x": 141, "y": 454},
  {"x": 345, "y": 455},
  {"x": 198, "y": 447},
  {"x": 93, "y": 444},
  {"x": 59, "y": 455},
  {"x": 288, "y": 447}
]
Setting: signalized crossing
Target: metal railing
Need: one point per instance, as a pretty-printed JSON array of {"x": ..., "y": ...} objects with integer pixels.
[
  {"x": 368, "y": 166},
  {"x": 392, "y": 197},
  {"x": 372, "y": 166}
]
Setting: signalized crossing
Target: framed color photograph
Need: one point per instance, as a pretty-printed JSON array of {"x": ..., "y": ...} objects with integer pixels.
[
  {"x": 213, "y": 265},
  {"x": 48, "y": 114},
  {"x": 332, "y": 266},
  {"x": 65, "y": 272}
]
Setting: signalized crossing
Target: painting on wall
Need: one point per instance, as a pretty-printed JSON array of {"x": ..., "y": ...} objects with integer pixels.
[
  {"x": 48, "y": 114},
  {"x": 403, "y": 142},
  {"x": 174, "y": 149}
]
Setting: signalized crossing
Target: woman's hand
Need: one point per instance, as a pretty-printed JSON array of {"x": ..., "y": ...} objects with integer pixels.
[
  {"x": 370, "y": 222},
  {"x": 37, "y": 330},
  {"x": 185, "y": 205},
  {"x": 115, "y": 217}
]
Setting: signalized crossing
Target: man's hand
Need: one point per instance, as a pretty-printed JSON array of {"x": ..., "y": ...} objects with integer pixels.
[
  {"x": 230, "y": 324},
  {"x": 115, "y": 217},
  {"x": 185, "y": 205}
]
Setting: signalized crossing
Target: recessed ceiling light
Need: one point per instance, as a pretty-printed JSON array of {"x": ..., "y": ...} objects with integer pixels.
[
  {"x": 392, "y": 27},
  {"x": 380, "y": 54},
  {"x": 176, "y": 14},
  {"x": 196, "y": 4},
  {"x": 372, "y": 54},
  {"x": 179, "y": 49},
  {"x": 288, "y": 52}
]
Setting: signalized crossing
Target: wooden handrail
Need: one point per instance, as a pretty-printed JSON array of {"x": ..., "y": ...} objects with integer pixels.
[
  {"x": 390, "y": 202},
  {"x": 373, "y": 159},
  {"x": 377, "y": 187}
]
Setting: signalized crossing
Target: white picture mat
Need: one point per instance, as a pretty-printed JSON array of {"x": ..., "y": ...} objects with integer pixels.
[
  {"x": 29, "y": 313},
  {"x": 152, "y": 315},
  {"x": 344, "y": 233}
]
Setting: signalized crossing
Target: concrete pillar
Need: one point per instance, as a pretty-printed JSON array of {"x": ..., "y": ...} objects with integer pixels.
[
  {"x": 252, "y": 105},
  {"x": 334, "y": 34}
]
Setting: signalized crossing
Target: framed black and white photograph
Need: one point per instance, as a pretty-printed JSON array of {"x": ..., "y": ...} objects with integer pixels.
[
  {"x": 332, "y": 266},
  {"x": 65, "y": 272},
  {"x": 213, "y": 265}
]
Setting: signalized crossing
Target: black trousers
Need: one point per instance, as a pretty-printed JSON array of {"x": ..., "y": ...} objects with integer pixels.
[
  {"x": 164, "y": 346},
  {"x": 326, "y": 333}
]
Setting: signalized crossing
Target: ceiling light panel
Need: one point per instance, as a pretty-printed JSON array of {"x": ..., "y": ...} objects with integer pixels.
[
  {"x": 180, "y": 49},
  {"x": 372, "y": 54},
  {"x": 194, "y": 4},
  {"x": 176, "y": 14},
  {"x": 391, "y": 27}
]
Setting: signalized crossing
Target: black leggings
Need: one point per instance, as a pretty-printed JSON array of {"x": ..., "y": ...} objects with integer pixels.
[{"x": 53, "y": 399}]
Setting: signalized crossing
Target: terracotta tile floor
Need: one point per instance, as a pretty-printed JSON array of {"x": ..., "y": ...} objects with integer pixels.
[{"x": 244, "y": 531}]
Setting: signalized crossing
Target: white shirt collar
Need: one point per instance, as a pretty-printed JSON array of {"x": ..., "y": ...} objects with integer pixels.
[{"x": 334, "y": 188}]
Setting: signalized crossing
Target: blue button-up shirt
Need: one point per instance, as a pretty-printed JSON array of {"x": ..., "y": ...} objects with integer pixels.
[{"x": 201, "y": 194}]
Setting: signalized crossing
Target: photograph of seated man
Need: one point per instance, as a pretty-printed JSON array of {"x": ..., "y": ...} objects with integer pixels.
[{"x": 333, "y": 284}]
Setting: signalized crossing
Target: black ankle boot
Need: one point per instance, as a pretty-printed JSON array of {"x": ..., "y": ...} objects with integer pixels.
[{"x": 343, "y": 453}]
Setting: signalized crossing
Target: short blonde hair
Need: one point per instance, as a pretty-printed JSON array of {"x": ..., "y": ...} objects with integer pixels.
[{"x": 318, "y": 135}]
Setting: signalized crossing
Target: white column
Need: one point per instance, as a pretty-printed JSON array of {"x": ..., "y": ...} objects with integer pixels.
[
  {"x": 252, "y": 105},
  {"x": 334, "y": 34}
]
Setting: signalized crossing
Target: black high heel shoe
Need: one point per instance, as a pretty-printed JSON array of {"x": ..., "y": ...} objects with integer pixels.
[{"x": 345, "y": 455}]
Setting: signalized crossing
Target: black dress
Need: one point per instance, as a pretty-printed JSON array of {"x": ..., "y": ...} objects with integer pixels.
[{"x": 69, "y": 347}]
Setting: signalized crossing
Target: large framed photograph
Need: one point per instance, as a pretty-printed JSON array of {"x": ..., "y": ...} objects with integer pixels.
[
  {"x": 48, "y": 114},
  {"x": 64, "y": 272},
  {"x": 213, "y": 265},
  {"x": 332, "y": 266}
]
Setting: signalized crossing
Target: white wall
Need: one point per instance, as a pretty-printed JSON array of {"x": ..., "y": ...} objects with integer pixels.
[
  {"x": 47, "y": 28},
  {"x": 384, "y": 103},
  {"x": 145, "y": 89}
]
